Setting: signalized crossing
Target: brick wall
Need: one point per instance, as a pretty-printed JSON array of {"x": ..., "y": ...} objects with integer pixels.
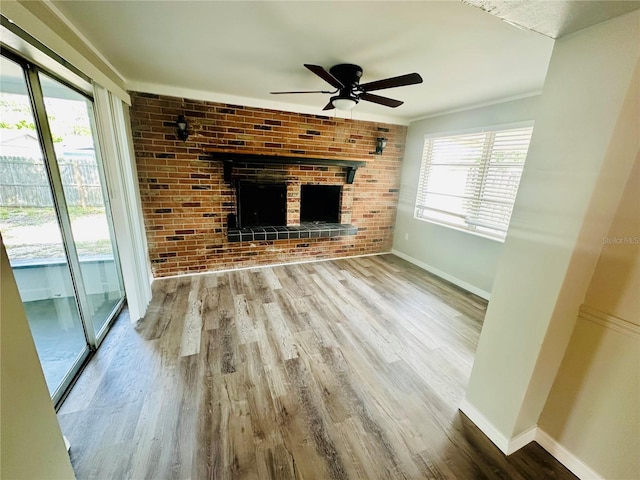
[{"x": 185, "y": 200}]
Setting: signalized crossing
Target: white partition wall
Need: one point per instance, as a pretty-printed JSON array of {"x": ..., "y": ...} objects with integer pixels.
[
  {"x": 582, "y": 151},
  {"x": 31, "y": 441}
]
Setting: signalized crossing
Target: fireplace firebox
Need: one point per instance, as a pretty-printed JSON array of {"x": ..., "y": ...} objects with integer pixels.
[
  {"x": 261, "y": 204},
  {"x": 262, "y": 213},
  {"x": 320, "y": 203}
]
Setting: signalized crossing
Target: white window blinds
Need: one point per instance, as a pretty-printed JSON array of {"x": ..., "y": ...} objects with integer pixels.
[{"x": 470, "y": 181}]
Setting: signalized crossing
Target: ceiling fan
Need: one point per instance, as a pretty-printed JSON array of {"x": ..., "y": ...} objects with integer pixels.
[{"x": 345, "y": 78}]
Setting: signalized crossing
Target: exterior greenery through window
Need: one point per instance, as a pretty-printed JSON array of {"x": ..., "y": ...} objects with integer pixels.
[{"x": 469, "y": 181}]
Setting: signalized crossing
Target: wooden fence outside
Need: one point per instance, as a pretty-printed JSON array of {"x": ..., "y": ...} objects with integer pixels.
[{"x": 24, "y": 182}]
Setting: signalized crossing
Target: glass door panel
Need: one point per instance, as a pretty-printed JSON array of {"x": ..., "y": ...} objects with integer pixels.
[
  {"x": 32, "y": 236},
  {"x": 70, "y": 122}
]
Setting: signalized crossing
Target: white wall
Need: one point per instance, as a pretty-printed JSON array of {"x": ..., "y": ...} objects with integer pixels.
[
  {"x": 463, "y": 258},
  {"x": 31, "y": 444},
  {"x": 615, "y": 286},
  {"x": 593, "y": 409},
  {"x": 583, "y": 148}
]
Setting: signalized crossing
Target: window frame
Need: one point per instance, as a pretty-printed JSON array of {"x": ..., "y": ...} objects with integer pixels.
[{"x": 470, "y": 131}]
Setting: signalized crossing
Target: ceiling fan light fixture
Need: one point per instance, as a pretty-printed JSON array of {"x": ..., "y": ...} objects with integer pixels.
[
  {"x": 344, "y": 103},
  {"x": 345, "y": 79}
]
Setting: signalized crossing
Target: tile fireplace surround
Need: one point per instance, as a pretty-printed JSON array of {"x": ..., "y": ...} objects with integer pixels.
[{"x": 186, "y": 200}]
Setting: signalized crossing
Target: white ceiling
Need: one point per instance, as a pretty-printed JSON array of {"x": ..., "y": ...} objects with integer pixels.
[{"x": 239, "y": 51}]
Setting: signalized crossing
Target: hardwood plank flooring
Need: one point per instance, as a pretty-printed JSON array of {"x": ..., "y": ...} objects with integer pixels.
[{"x": 343, "y": 369}]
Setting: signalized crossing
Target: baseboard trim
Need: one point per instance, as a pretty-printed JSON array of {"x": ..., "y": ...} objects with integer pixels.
[
  {"x": 533, "y": 434},
  {"x": 525, "y": 438},
  {"x": 488, "y": 428},
  {"x": 444, "y": 275},
  {"x": 565, "y": 457},
  {"x": 254, "y": 267}
]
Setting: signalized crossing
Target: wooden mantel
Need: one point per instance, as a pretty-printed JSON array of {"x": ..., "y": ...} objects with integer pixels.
[{"x": 229, "y": 158}]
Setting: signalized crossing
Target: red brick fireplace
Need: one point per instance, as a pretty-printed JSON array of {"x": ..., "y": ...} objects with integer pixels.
[{"x": 186, "y": 200}]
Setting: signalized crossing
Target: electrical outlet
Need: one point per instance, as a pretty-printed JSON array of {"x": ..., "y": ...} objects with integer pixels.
[{"x": 406, "y": 236}]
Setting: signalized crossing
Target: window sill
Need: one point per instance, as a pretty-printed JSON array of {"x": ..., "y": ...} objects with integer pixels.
[{"x": 460, "y": 229}]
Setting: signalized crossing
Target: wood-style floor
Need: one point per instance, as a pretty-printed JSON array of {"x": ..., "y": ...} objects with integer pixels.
[{"x": 343, "y": 369}]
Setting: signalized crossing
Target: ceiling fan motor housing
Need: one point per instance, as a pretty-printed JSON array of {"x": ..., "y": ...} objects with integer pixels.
[{"x": 348, "y": 74}]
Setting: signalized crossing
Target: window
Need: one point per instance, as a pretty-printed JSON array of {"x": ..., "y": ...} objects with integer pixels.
[{"x": 469, "y": 181}]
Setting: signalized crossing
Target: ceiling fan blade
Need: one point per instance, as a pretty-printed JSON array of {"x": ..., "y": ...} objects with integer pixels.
[
  {"x": 329, "y": 106},
  {"x": 401, "y": 81},
  {"x": 303, "y": 91},
  {"x": 388, "y": 102},
  {"x": 326, "y": 76}
]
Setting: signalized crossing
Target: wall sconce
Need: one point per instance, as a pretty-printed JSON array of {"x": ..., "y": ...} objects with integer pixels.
[
  {"x": 381, "y": 142},
  {"x": 182, "y": 128}
]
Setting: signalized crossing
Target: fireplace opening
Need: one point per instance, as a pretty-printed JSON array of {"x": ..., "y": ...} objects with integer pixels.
[
  {"x": 261, "y": 204},
  {"x": 320, "y": 203}
]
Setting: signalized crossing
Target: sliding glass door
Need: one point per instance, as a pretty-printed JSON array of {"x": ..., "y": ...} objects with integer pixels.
[
  {"x": 82, "y": 185},
  {"x": 55, "y": 218},
  {"x": 32, "y": 235}
]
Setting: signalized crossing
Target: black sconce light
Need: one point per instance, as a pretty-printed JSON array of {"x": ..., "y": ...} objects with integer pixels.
[
  {"x": 381, "y": 142},
  {"x": 182, "y": 128}
]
